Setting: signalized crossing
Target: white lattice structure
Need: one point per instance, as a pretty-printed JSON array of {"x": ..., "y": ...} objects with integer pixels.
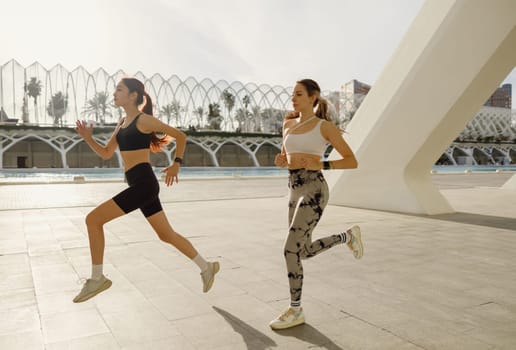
[
  {"x": 80, "y": 86},
  {"x": 479, "y": 154},
  {"x": 63, "y": 141},
  {"x": 491, "y": 122},
  {"x": 254, "y": 108},
  {"x": 251, "y": 145}
]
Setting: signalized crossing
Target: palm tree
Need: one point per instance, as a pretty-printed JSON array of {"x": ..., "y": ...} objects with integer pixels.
[
  {"x": 214, "y": 117},
  {"x": 199, "y": 112},
  {"x": 167, "y": 112},
  {"x": 242, "y": 115},
  {"x": 256, "y": 114},
  {"x": 173, "y": 109},
  {"x": 25, "y": 108},
  {"x": 57, "y": 107},
  {"x": 33, "y": 89},
  {"x": 246, "y": 100},
  {"x": 229, "y": 101},
  {"x": 273, "y": 119},
  {"x": 99, "y": 106}
]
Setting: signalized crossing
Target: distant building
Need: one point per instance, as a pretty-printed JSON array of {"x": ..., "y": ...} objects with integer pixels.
[
  {"x": 334, "y": 108},
  {"x": 352, "y": 94},
  {"x": 502, "y": 97}
]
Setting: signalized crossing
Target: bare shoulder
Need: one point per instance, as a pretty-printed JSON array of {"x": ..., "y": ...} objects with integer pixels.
[
  {"x": 147, "y": 117},
  {"x": 329, "y": 126},
  {"x": 148, "y": 123},
  {"x": 287, "y": 124},
  {"x": 329, "y": 129}
]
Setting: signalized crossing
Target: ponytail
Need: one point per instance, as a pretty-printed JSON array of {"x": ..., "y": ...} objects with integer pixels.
[
  {"x": 147, "y": 107},
  {"x": 322, "y": 108},
  {"x": 157, "y": 143}
]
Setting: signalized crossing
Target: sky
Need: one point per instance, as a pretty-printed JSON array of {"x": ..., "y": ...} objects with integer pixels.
[{"x": 273, "y": 42}]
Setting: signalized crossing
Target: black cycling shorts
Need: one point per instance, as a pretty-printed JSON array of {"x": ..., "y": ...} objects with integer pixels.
[{"x": 142, "y": 192}]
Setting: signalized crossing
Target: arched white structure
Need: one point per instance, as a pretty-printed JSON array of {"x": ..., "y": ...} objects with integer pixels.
[
  {"x": 449, "y": 62},
  {"x": 64, "y": 140}
]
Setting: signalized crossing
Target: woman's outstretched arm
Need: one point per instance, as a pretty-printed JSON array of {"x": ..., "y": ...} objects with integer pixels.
[{"x": 86, "y": 132}]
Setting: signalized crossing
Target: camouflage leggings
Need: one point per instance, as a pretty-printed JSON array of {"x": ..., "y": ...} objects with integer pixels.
[{"x": 308, "y": 197}]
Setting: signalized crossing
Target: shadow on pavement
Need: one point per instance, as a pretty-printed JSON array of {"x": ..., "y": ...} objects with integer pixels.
[
  {"x": 309, "y": 334},
  {"x": 478, "y": 219},
  {"x": 253, "y": 338}
]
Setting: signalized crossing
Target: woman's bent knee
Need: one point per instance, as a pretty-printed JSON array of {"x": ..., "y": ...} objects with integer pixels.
[{"x": 93, "y": 220}]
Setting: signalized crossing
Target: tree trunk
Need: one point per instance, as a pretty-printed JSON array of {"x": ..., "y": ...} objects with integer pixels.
[{"x": 36, "y": 110}]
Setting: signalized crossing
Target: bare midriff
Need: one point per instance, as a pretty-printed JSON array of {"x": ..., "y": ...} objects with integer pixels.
[
  {"x": 294, "y": 160},
  {"x": 132, "y": 158}
]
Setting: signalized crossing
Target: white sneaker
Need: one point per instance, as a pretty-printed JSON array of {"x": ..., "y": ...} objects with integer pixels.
[
  {"x": 355, "y": 243},
  {"x": 288, "y": 319},
  {"x": 92, "y": 288},
  {"x": 208, "y": 276}
]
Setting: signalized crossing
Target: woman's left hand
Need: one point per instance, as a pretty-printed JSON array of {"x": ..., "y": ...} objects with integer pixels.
[{"x": 171, "y": 174}]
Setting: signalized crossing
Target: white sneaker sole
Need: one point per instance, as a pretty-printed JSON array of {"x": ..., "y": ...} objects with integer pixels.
[
  {"x": 297, "y": 322},
  {"x": 102, "y": 288},
  {"x": 216, "y": 268},
  {"x": 359, "y": 251}
]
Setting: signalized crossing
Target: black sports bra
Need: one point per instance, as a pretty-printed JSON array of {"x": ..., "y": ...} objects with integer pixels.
[{"x": 132, "y": 139}]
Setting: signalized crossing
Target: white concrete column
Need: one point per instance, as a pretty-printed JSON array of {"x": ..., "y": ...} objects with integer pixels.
[
  {"x": 510, "y": 184},
  {"x": 452, "y": 58},
  {"x": 64, "y": 161}
]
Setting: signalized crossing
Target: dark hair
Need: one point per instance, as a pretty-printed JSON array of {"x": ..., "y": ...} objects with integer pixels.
[
  {"x": 143, "y": 98},
  {"x": 312, "y": 88}
]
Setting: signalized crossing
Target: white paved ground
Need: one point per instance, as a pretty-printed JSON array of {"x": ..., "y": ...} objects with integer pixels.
[{"x": 442, "y": 282}]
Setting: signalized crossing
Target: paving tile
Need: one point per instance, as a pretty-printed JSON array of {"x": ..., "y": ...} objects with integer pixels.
[
  {"x": 182, "y": 305},
  {"x": 23, "y": 341},
  {"x": 427, "y": 282},
  {"x": 19, "y": 320},
  {"x": 173, "y": 343},
  {"x": 65, "y": 326},
  {"x": 130, "y": 326},
  {"x": 17, "y": 298},
  {"x": 103, "y": 341},
  {"x": 54, "y": 278},
  {"x": 60, "y": 302}
]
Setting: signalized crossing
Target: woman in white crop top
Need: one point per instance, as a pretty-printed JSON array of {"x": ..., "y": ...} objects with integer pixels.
[{"x": 305, "y": 135}]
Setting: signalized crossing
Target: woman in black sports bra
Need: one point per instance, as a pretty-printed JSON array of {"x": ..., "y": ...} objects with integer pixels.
[{"x": 135, "y": 135}]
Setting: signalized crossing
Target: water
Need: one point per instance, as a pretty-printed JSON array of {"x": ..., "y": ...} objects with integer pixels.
[
  {"x": 110, "y": 174},
  {"x": 450, "y": 169}
]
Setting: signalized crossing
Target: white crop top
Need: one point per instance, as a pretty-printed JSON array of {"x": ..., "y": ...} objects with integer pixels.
[{"x": 310, "y": 142}]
